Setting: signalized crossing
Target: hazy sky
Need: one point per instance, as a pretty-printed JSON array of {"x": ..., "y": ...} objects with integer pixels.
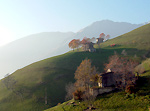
[{"x": 19, "y": 18}]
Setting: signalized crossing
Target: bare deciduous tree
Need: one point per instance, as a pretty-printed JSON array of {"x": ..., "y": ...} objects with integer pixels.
[
  {"x": 123, "y": 69},
  {"x": 89, "y": 99},
  {"x": 70, "y": 88}
]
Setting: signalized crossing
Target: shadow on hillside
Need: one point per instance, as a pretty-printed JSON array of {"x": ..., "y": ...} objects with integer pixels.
[
  {"x": 143, "y": 87},
  {"x": 146, "y": 71},
  {"x": 107, "y": 95},
  {"x": 61, "y": 71},
  {"x": 108, "y": 51}
]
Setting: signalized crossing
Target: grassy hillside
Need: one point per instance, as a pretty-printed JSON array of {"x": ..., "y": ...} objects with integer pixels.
[
  {"x": 116, "y": 101},
  {"x": 138, "y": 38},
  {"x": 49, "y": 76}
]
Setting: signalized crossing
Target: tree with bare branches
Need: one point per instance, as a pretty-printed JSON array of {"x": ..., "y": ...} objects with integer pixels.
[
  {"x": 123, "y": 69},
  {"x": 70, "y": 89}
]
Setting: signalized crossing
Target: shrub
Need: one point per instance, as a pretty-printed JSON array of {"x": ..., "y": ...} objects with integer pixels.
[
  {"x": 130, "y": 89},
  {"x": 88, "y": 97},
  {"x": 78, "y": 94},
  {"x": 130, "y": 96},
  {"x": 127, "y": 96}
]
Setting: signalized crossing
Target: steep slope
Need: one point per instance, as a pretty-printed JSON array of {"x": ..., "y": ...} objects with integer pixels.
[
  {"x": 116, "y": 101},
  {"x": 135, "y": 42},
  {"x": 138, "y": 38},
  {"x": 30, "y": 49},
  {"x": 49, "y": 77}
]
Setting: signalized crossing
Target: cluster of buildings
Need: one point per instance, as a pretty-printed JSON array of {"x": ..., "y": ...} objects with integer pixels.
[{"x": 90, "y": 46}]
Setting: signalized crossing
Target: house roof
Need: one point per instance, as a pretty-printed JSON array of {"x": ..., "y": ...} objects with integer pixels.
[{"x": 102, "y": 74}]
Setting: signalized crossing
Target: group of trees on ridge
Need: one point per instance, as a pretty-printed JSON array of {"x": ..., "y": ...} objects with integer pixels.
[{"x": 76, "y": 43}]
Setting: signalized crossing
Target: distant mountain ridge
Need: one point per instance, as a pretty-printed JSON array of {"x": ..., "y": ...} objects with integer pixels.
[
  {"x": 36, "y": 47},
  {"x": 30, "y": 49},
  {"x": 114, "y": 29}
]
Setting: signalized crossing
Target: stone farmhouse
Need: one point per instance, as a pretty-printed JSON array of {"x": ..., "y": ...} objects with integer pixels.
[
  {"x": 107, "y": 79},
  {"x": 99, "y": 40},
  {"x": 88, "y": 47},
  {"x": 106, "y": 83}
]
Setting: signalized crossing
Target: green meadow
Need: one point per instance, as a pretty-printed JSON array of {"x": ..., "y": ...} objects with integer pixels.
[{"x": 50, "y": 76}]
